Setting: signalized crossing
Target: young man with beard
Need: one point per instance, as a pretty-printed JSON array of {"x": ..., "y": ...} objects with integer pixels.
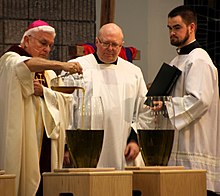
[{"x": 196, "y": 101}]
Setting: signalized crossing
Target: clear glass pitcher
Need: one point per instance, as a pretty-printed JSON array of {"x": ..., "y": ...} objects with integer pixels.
[{"x": 67, "y": 83}]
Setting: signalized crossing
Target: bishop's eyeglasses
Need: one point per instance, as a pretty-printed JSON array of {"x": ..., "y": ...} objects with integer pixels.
[{"x": 43, "y": 43}]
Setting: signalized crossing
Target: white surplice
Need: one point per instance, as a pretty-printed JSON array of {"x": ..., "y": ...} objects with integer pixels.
[
  {"x": 120, "y": 87},
  {"x": 196, "y": 104},
  {"x": 19, "y": 142}
]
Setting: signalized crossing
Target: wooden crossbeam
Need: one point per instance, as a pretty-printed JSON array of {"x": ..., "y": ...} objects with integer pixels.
[
  {"x": 107, "y": 15},
  {"x": 76, "y": 51}
]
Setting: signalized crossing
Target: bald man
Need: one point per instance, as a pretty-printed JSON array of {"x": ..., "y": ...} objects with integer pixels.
[{"x": 121, "y": 85}]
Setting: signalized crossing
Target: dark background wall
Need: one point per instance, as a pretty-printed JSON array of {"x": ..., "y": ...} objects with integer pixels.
[
  {"x": 208, "y": 33},
  {"x": 74, "y": 21}
]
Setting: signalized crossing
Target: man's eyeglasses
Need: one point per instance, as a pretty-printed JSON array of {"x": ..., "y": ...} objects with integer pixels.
[
  {"x": 107, "y": 44},
  {"x": 43, "y": 43}
]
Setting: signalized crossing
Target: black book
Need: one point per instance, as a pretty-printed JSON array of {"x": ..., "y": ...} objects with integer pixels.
[{"x": 164, "y": 80}]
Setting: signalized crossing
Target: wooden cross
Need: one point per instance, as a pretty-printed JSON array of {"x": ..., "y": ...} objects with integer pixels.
[
  {"x": 107, "y": 11},
  {"x": 107, "y": 16}
]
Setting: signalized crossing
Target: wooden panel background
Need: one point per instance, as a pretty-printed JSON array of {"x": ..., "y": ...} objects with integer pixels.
[{"x": 74, "y": 21}]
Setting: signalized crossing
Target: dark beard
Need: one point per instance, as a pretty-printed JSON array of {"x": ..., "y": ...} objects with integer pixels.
[{"x": 181, "y": 42}]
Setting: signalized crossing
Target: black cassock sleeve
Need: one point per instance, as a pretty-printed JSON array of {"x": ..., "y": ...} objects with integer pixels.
[{"x": 132, "y": 136}]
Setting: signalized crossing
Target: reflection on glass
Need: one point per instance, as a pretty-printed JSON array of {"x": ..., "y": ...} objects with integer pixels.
[
  {"x": 156, "y": 134},
  {"x": 85, "y": 138},
  {"x": 85, "y": 147},
  {"x": 67, "y": 83}
]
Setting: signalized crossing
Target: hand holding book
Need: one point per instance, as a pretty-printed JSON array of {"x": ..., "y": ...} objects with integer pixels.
[{"x": 164, "y": 81}]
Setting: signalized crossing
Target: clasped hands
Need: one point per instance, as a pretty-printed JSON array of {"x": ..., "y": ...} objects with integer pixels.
[{"x": 155, "y": 105}]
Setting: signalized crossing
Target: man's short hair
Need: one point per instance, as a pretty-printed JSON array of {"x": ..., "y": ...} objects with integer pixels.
[{"x": 188, "y": 14}]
